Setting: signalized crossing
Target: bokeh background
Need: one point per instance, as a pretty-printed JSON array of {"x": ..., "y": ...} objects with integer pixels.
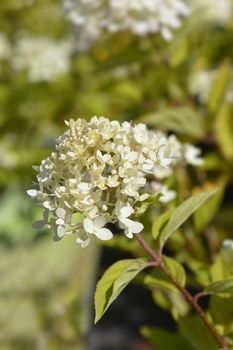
[{"x": 183, "y": 86}]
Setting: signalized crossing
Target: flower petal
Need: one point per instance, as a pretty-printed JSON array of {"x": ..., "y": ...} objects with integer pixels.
[
  {"x": 144, "y": 196},
  {"x": 61, "y": 231},
  {"x": 47, "y": 205},
  {"x": 126, "y": 211},
  {"x": 99, "y": 222},
  {"x": 88, "y": 225},
  {"x": 32, "y": 193},
  {"x": 118, "y": 207},
  {"x": 60, "y": 221},
  {"x": 128, "y": 234},
  {"x": 133, "y": 226},
  {"x": 167, "y": 195},
  {"x": 61, "y": 213},
  {"x": 104, "y": 234}
]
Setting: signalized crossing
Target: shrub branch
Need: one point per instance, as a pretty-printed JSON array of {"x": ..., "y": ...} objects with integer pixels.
[{"x": 157, "y": 260}]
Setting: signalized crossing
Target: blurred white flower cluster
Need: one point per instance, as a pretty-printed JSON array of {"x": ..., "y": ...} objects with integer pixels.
[
  {"x": 228, "y": 244},
  {"x": 93, "y": 18},
  {"x": 103, "y": 170},
  {"x": 44, "y": 59},
  {"x": 214, "y": 10}
]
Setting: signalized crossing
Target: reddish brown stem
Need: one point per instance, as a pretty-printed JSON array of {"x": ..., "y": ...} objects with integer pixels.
[
  {"x": 158, "y": 261},
  {"x": 146, "y": 247},
  {"x": 200, "y": 295},
  {"x": 195, "y": 306}
]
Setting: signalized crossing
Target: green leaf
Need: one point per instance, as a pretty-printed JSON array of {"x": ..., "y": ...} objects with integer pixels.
[
  {"x": 162, "y": 339},
  {"x": 221, "y": 310},
  {"x": 165, "y": 293},
  {"x": 224, "y": 130},
  {"x": 159, "y": 223},
  {"x": 176, "y": 270},
  {"x": 173, "y": 301},
  {"x": 183, "y": 120},
  {"x": 221, "y": 287},
  {"x": 160, "y": 281},
  {"x": 114, "y": 280},
  {"x": 225, "y": 218},
  {"x": 180, "y": 52},
  {"x": 219, "y": 87},
  {"x": 155, "y": 283},
  {"x": 222, "y": 269},
  {"x": 204, "y": 214},
  {"x": 183, "y": 212},
  {"x": 195, "y": 332}
]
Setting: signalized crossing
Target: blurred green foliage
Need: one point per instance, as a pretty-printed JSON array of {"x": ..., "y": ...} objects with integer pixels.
[{"x": 186, "y": 87}]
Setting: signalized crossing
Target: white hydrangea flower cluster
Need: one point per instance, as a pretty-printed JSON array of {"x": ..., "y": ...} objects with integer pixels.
[
  {"x": 93, "y": 18},
  {"x": 103, "y": 170},
  {"x": 44, "y": 59}
]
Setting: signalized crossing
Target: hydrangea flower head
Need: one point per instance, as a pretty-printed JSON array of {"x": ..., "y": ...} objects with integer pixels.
[
  {"x": 94, "y": 18},
  {"x": 101, "y": 170},
  {"x": 52, "y": 58}
]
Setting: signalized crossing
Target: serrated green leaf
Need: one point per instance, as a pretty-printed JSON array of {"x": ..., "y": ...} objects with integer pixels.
[
  {"x": 114, "y": 280},
  {"x": 183, "y": 212},
  {"x": 159, "y": 223},
  {"x": 183, "y": 120},
  {"x": 221, "y": 287}
]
